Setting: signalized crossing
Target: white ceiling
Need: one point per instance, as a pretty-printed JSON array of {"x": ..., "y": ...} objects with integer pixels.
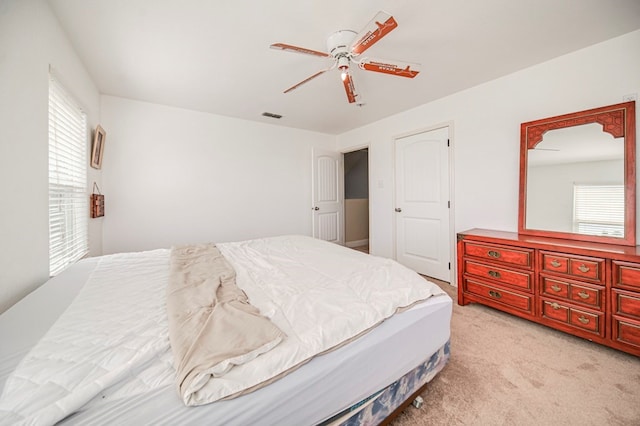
[{"x": 214, "y": 56}]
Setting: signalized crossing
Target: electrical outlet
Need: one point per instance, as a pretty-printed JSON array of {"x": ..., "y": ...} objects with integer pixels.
[{"x": 630, "y": 97}]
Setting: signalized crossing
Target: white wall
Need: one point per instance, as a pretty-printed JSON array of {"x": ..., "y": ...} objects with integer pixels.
[
  {"x": 356, "y": 219},
  {"x": 177, "y": 176},
  {"x": 486, "y": 132},
  {"x": 30, "y": 40}
]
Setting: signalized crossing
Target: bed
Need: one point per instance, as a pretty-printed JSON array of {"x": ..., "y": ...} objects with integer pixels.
[{"x": 362, "y": 380}]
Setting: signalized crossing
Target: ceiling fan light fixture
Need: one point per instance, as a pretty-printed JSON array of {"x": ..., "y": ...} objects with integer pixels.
[
  {"x": 343, "y": 62},
  {"x": 343, "y": 65}
]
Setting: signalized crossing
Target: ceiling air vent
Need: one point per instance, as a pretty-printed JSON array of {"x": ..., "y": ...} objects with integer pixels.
[{"x": 272, "y": 115}]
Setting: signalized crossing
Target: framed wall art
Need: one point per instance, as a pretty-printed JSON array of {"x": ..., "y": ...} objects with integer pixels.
[
  {"x": 96, "y": 202},
  {"x": 97, "y": 148}
]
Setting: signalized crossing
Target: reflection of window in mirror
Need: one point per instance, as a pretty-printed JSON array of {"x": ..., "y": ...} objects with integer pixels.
[
  {"x": 574, "y": 154},
  {"x": 598, "y": 210}
]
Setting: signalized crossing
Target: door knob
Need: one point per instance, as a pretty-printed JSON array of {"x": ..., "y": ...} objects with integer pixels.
[
  {"x": 398, "y": 209},
  {"x": 316, "y": 208}
]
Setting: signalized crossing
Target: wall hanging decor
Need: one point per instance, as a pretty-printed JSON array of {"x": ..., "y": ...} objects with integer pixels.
[
  {"x": 97, "y": 148},
  {"x": 96, "y": 202}
]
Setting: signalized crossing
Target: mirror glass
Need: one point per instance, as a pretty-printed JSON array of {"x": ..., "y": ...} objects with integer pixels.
[
  {"x": 578, "y": 176},
  {"x": 576, "y": 167}
]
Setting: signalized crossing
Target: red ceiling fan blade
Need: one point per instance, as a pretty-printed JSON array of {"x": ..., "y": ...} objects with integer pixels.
[
  {"x": 296, "y": 49},
  {"x": 381, "y": 25},
  {"x": 306, "y": 80},
  {"x": 401, "y": 69},
  {"x": 349, "y": 88}
]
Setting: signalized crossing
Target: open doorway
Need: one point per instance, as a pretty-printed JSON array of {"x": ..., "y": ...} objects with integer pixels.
[{"x": 356, "y": 199}]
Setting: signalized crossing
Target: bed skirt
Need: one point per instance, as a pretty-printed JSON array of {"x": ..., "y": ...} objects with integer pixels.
[{"x": 376, "y": 408}]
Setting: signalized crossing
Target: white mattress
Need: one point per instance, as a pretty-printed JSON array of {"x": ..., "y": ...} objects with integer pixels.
[{"x": 319, "y": 389}]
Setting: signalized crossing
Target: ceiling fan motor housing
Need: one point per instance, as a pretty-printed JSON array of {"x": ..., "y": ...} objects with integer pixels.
[{"x": 339, "y": 43}]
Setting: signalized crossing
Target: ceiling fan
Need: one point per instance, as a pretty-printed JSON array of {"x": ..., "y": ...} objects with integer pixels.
[{"x": 346, "y": 46}]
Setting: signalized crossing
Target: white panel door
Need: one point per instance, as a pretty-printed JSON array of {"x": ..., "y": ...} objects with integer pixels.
[
  {"x": 422, "y": 203},
  {"x": 327, "y": 197}
]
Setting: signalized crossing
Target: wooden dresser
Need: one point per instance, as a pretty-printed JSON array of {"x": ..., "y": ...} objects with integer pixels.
[{"x": 591, "y": 290}]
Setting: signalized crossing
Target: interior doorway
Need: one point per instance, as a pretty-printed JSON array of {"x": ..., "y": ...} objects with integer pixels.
[{"x": 356, "y": 199}]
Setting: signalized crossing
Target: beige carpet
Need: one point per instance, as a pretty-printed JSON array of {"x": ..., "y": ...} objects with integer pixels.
[{"x": 508, "y": 371}]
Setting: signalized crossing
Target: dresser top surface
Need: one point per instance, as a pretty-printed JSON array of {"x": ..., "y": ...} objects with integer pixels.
[{"x": 513, "y": 238}]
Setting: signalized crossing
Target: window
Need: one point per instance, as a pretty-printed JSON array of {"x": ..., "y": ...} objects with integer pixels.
[
  {"x": 68, "y": 202},
  {"x": 599, "y": 210}
]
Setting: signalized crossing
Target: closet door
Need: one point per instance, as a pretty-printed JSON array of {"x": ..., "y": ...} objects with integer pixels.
[{"x": 422, "y": 203}]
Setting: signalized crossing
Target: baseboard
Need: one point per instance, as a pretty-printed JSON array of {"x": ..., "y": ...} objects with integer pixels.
[{"x": 357, "y": 243}]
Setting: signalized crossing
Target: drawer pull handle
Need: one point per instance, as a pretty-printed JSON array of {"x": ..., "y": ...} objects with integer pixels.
[
  {"x": 583, "y": 295},
  {"x": 582, "y": 268},
  {"x": 583, "y": 319},
  {"x": 555, "y": 288},
  {"x": 494, "y": 254},
  {"x": 494, "y": 274},
  {"x": 555, "y": 306},
  {"x": 495, "y": 294},
  {"x": 555, "y": 263}
]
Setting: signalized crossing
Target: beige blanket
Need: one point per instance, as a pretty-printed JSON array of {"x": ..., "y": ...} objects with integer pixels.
[{"x": 212, "y": 326}]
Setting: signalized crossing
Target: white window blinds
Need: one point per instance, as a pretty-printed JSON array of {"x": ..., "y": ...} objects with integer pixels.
[
  {"x": 68, "y": 202},
  {"x": 599, "y": 209}
]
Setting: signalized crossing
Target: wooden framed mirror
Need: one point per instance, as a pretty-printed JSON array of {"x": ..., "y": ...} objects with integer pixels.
[{"x": 578, "y": 176}]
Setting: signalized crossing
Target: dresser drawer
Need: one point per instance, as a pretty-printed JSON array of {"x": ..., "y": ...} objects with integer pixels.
[
  {"x": 591, "y": 296},
  {"x": 499, "y": 296},
  {"x": 573, "y": 316},
  {"x": 626, "y": 274},
  {"x": 589, "y": 268},
  {"x": 506, "y": 255},
  {"x": 520, "y": 279},
  {"x": 626, "y": 331},
  {"x": 626, "y": 303}
]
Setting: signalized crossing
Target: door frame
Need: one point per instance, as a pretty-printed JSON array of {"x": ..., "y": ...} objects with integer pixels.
[
  {"x": 341, "y": 174},
  {"x": 452, "y": 233}
]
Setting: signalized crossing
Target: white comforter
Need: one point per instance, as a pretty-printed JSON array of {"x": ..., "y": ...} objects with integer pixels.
[{"x": 113, "y": 342}]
